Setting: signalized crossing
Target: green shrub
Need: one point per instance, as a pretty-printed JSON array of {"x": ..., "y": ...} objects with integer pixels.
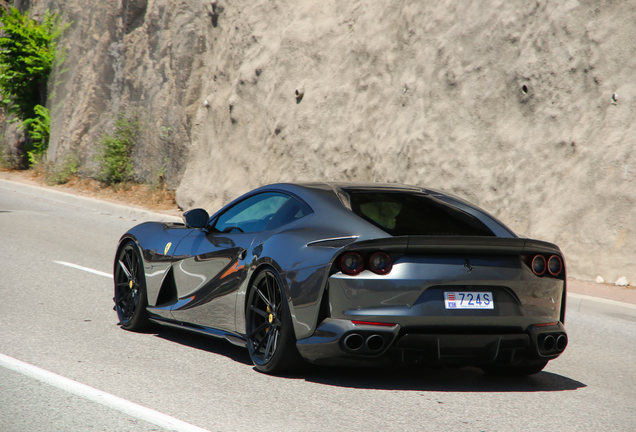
[
  {"x": 39, "y": 129},
  {"x": 115, "y": 151},
  {"x": 63, "y": 172},
  {"x": 27, "y": 54}
]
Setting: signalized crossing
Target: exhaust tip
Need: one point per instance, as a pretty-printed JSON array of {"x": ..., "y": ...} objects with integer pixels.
[
  {"x": 548, "y": 343},
  {"x": 561, "y": 342},
  {"x": 354, "y": 341},
  {"x": 375, "y": 342}
]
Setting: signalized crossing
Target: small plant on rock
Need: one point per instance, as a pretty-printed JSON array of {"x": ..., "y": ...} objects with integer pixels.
[
  {"x": 64, "y": 171},
  {"x": 39, "y": 129},
  {"x": 115, "y": 151}
]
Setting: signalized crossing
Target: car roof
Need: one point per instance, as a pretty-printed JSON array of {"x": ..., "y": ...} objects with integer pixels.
[
  {"x": 331, "y": 198},
  {"x": 328, "y": 191},
  {"x": 332, "y": 192},
  {"x": 362, "y": 185}
]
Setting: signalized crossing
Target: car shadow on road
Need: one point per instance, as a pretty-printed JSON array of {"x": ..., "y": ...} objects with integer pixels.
[
  {"x": 205, "y": 343},
  {"x": 466, "y": 379}
]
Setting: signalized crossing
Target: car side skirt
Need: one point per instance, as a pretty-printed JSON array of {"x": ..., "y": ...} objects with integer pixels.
[{"x": 233, "y": 338}]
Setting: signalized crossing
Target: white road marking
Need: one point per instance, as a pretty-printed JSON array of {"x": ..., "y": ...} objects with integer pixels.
[
  {"x": 98, "y": 396},
  {"x": 75, "y": 266}
]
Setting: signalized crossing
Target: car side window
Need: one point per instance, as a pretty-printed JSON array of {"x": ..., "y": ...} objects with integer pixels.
[
  {"x": 252, "y": 214},
  {"x": 290, "y": 212}
]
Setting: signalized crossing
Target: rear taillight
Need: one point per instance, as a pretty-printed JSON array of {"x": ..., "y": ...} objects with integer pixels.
[
  {"x": 351, "y": 263},
  {"x": 538, "y": 265},
  {"x": 380, "y": 263},
  {"x": 547, "y": 265},
  {"x": 555, "y": 265}
]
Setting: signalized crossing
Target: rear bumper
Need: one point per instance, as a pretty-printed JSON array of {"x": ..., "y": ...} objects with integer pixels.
[{"x": 341, "y": 342}]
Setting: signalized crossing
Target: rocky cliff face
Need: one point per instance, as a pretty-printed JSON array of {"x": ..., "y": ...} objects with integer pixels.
[
  {"x": 524, "y": 108},
  {"x": 137, "y": 59}
]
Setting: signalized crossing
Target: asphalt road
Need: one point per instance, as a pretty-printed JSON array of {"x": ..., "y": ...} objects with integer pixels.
[{"x": 58, "y": 335}]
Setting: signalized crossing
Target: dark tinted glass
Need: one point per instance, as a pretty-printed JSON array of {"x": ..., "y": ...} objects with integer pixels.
[
  {"x": 290, "y": 212},
  {"x": 404, "y": 213},
  {"x": 251, "y": 215}
]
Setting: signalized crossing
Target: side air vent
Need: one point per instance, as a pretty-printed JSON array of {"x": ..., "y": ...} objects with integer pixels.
[
  {"x": 168, "y": 291},
  {"x": 333, "y": 243}
]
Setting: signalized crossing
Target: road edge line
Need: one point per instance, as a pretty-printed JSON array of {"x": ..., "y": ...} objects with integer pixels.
[
  {"x": 86, "y": 269},
  {"x": 93, "y": 204},
  {"x": 108, "y": 400}
]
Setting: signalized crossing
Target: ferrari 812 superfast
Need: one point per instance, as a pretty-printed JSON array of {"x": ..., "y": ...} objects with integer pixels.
[{"x": 349, "y": 274}]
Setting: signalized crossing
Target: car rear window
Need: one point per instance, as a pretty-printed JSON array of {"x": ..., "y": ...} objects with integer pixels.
[{"x": 411, "y": 213}]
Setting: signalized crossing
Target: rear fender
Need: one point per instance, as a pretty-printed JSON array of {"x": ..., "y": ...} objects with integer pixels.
[{"x": 241, "y": 299}]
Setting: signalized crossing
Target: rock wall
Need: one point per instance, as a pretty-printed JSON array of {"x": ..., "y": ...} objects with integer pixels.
[
  {"x": 524, "y": 108},
  {"x": 138, "y": 59}
]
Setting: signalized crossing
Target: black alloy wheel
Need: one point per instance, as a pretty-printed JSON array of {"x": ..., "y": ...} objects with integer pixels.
[
  {"x": 270, "y": 337},
  {"x": 130, "y": 288}
]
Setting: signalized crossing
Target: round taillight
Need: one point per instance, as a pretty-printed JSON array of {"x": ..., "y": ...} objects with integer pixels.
[
  {"x": 538, "y": 265},
  {"x": 380, "y": 263},
  {"x": 555, "y": 265},
  {"x": 351, "y": 263}
]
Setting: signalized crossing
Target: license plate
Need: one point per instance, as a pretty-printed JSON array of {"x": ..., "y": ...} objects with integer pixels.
[{"x": 468, "y": 300}]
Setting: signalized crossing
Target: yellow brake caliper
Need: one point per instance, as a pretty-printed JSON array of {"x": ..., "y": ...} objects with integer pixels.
[{"x": 270, "y": 319}]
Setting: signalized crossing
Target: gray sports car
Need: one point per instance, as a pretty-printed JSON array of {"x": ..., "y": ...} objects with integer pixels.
[{"x": 349, "y": 274}]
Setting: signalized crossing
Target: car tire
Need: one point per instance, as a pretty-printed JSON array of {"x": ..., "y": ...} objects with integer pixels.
[
  {"x": 520, "y": 370},
  {"x": 131, "y": 298},
  {"x": 271, "y": 341}
]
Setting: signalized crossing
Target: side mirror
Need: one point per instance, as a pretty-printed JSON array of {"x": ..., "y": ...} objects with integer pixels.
[{"x": 196, "y": 218}]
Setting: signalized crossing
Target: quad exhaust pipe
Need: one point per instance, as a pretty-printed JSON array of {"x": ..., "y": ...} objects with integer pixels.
[
  {"x": 375, "y": 342},
  {"x": 561, "y": 342},
  {"x": 355, "y": 342},
  {"x": 548, "y": 343},
  {"x": 553, "y": 343}
]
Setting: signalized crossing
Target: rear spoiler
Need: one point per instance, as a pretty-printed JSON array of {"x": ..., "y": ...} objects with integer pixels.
[{"x": 450, "y": 245}]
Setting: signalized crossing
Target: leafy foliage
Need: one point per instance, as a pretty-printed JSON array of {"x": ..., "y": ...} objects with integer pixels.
[
  {"x": 115, "y": 156},
  {"x": 39, "y": 129},
  {"x": 27, "y": 54}
]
